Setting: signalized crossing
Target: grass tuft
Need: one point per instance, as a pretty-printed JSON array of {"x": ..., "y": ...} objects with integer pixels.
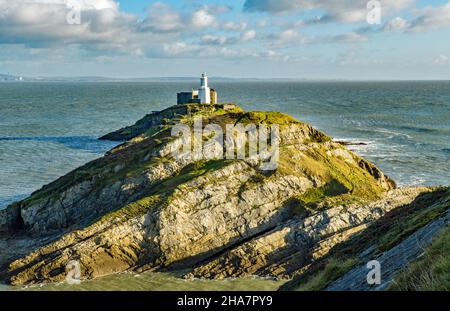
[{"x": 333, "y": 270}]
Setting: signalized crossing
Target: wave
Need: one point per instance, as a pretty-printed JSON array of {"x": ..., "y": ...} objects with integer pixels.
[
  {"x": 420, "y": 129},
  {"x": 391, "y": 132}
]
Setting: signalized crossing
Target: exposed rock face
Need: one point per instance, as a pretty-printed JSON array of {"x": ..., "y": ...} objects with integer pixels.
[
  {"x": 290, "y": 247},
  {"x": 140, "y": 208},
  {"x": 392, "y": 261},
  {"x": 10, "y": 219}
]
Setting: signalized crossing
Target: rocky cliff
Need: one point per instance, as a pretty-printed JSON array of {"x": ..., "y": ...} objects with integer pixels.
[{"x": 140, "y": 208}]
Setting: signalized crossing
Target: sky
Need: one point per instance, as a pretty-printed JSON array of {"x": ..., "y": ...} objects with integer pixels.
[{"x": 299, "y": 39}]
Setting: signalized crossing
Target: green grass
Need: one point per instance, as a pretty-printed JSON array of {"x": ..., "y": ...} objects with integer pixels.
[
  {"x": 155, "y": 130},
  {"x": 315, "y": 195},
  {"x": 190, "y": 172},
  {"x": 431, "y": 272},
  {"x": 267, "y": 117},
  {"x": 139, "y": 207},
  {"x": 410, "y": 224},
  {"x": 221, "y": 111},
  {"x": 339, "y": 175},
  {"x": 308, "y": 202},
  {"x": 333, "y": 269}
]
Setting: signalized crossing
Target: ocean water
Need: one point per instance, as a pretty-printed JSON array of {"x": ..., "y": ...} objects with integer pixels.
[{"x": 48, "y": 129}]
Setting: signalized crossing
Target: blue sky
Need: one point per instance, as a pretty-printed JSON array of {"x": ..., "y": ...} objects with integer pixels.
[{"x": 303, "y": 39}]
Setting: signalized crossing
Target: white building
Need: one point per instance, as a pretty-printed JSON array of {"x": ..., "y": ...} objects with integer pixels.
[
  {"x": 203, "y": 95},
  {"x": 204, "y": 92}
]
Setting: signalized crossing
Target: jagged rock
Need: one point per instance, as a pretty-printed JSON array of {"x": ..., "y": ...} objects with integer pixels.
[
  {"x": 290, "y": 247},
  {"x": 392, "y": 261},
  {"x": 10, "y": 219},
  {"x": 139, "y": 208}
]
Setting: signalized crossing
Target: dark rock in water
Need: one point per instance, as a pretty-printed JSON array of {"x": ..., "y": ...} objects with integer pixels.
[
  {"x": 350, "y": 143},
  {"x": 139, "y": 208}
]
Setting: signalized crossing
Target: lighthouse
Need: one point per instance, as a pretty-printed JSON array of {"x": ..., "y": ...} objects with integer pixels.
[
  {"x": 203, "y": 95},
  {"x": 204, "y": 92}
]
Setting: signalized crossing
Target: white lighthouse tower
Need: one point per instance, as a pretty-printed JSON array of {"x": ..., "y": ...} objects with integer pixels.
[{"x": 204, "y": 93}]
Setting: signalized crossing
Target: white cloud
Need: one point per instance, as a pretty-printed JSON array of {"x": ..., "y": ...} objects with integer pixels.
[
  {"x": 248, "y": 35},
  {"x": 397, "y": 23},
  {"x": 104, "y": 29},
  {"x": 431, "y": 18},
  {"x": 188, "y": 50},
  {"x": 179, "y": 48},
  {"x": 288, "y": 38},
  {"x": 210, "y": 39},
  {"x": 274, "y": 56},
  {"x": 162, "y": 18},
  {"x": 190, "y": 31},
  {"x": 346, "y": 11},
  {"x": 427, "y": 19},
  {"x": 288, "y": 34},
  {"x": 441, "y": 59},
  {"x": 233, "y": 26},
  {"x": 44, "y": 23},
  {"x": 202, "y": 18},
  {"x": 350, "y": 37},
  {"x": 262, "y": 23}
]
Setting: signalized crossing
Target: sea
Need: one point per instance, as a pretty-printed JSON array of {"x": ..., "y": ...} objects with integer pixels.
[{"x": 50, "y": 128}]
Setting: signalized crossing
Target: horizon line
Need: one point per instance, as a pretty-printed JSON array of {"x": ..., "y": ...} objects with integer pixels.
[{"x": 86, "y": 78}]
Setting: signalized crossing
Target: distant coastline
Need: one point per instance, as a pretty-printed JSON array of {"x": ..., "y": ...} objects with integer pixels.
[{"x": 19, "y": 78}]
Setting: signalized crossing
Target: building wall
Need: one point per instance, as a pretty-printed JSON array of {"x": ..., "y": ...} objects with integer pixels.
[
  {"x": 205, "y": 95},
  {"x": 213, "y": 97},
  {"x": 184, "y": 98},
  {"x": 202, "y": 95}
]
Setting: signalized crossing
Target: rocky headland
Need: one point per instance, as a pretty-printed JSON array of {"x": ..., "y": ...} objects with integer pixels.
[{"x": 315, "y": 220}]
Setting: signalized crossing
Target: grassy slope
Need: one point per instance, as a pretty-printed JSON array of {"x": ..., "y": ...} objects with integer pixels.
[{"x": 431, "y": 272}]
